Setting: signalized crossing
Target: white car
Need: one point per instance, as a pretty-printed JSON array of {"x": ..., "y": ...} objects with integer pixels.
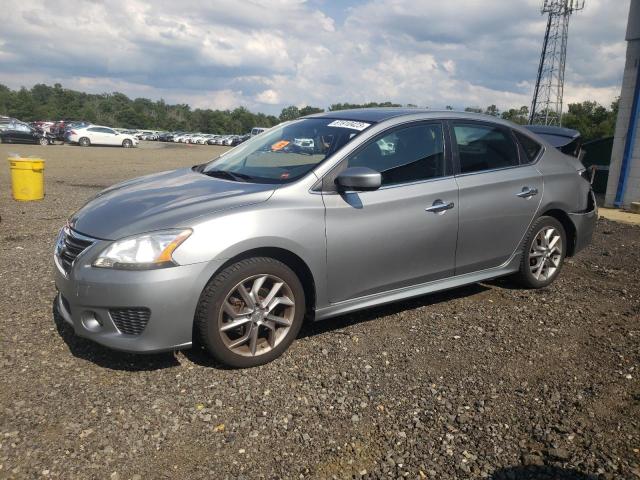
[{"x": 99, "y": 135}]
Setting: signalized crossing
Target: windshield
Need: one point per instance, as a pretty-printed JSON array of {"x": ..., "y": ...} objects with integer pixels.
[{"x": 285, "y": 152}]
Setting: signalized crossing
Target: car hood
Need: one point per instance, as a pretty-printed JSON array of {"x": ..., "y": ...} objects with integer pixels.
[{"x": 160, "y": 201}]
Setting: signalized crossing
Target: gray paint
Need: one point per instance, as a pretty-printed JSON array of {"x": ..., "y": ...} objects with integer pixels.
[{"x": 362, "y": 248}]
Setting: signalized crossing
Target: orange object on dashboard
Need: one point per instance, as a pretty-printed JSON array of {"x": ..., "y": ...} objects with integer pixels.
[{"x": 279, "y": 145}]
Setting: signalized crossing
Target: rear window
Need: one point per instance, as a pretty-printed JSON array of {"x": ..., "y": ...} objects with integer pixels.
[
  {"x": 530, "y": 147},
  {"x": 484, "y": 147}
]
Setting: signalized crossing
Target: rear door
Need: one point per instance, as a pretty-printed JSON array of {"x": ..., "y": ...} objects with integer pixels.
[
  {"x": 403, "y": 233},
  {"x": 498, "y": 194},
  {"x": 95, "y": 134}
]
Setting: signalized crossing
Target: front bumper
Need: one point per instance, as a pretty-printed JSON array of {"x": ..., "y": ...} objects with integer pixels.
[{"x": 86, "y": 296}]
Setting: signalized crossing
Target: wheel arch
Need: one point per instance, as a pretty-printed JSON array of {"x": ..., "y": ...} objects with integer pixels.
[
  {"x": 291, "y": 260},
  {"x": 569, "y": 228}
]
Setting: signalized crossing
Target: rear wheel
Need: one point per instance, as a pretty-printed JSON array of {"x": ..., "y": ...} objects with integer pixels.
[
  {"x": 544, "y": 251},
  {"x": 126, "y": 143},
  {"x": 251, "y": 312},
  {"x": 84, "y": 142}
]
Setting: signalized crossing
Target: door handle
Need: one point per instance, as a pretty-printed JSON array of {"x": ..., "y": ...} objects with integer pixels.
[
  {"x": 527, "y": 192},
  {"x": 439, "y": 207}
]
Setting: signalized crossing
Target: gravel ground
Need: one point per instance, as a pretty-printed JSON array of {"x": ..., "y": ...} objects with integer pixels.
[{"x": 486, "y": 381}]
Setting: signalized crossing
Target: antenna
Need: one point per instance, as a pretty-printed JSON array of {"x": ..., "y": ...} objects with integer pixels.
[{"x": 546, "y": 107}]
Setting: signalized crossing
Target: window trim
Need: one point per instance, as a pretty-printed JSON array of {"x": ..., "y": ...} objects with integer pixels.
[
  {"x": 330, "y": 176},
  {"x": 523, "y": 153},
  {"x": 456, "y": 153}
]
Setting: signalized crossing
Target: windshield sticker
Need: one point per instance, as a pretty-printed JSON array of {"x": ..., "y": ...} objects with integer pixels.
[
  {"x": 279, "y": 145},
  {"x": 349, "y": 124}
]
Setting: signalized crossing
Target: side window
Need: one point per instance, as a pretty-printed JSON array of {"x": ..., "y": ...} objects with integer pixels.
[
  {"x": 530, "y": 147},
  {"x": 108, "y": 130},
  {"x": 407, "y": 154},
  {"x": 21, "y": 127},
  {"x": 483, "y": 147},
  {"x": 94, "y": 129}
]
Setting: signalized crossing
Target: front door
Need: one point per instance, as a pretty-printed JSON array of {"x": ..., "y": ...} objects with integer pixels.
[
  {"x": 21, "y": 134},
  {"x": 499, "y": 196},
  {"x": 111, "y": 137},
  {"x": 403, "y": 233}
]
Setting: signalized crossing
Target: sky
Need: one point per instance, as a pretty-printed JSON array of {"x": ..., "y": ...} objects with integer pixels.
[{"x": 266, "y": 54}]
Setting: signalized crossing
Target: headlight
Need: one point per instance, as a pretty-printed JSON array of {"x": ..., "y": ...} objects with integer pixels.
[{"x": 143, "y": 252}]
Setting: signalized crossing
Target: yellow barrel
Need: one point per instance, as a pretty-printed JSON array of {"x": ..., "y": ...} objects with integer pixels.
[{"x": 27, "y": 178}]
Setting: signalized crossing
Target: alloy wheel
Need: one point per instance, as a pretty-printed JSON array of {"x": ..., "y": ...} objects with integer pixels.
[
  {"x": 545, "y": 254},
  {"x": 256, "y": 315}
]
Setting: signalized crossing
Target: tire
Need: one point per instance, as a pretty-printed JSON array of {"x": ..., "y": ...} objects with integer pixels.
[
  {"x": 540, "y": 264},
  {"x": 272, "y": 338},
  {"x": 43, "y": 141},
  {"x": 84, "y": 142},
  {"x": 126, "y": 143}
]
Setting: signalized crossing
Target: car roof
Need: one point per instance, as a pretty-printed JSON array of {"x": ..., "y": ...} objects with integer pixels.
[
  {"x": 374, "y": 115},
  {"x": 381, "y": 114}
]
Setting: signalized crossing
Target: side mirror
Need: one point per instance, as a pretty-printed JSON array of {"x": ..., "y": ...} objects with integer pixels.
[{"x": 359, "y": 179}]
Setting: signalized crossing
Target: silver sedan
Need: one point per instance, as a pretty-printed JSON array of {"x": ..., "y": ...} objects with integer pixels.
[{"x": 315, "y": 218}]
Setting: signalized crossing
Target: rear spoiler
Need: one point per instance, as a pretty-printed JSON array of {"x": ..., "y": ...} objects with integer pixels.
[
  {"x": 564, "y": 139},
  {"x": 568, "y": 141}
]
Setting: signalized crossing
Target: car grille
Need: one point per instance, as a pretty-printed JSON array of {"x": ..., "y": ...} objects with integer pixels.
[
  {"x": 70, "y": 245},
  {"x": 131, "y": 321}
]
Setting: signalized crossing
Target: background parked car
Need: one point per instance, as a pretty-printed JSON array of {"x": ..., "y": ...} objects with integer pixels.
[
  {"x": 99, "y": 135},
  {"x": 18, "y": 132}
]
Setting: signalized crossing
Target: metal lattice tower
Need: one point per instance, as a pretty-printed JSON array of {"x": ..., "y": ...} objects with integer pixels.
[{"x": 546, "y": 107}]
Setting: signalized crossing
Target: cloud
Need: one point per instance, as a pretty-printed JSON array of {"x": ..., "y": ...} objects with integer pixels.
[{"x": 265, "y": 54}]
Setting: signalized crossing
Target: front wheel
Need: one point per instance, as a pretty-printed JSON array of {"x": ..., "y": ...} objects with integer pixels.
[
  {"x": 127, "y": 143},
  {"x": 545, "y": 248},
  {"x": 43, "y": 141},
  {"x": 251, "y": 312}
]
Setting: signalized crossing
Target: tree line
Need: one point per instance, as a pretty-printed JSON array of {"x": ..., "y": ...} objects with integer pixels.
[
  {"x": 590, "y": 118},
  {"x": 44, "y": 102}
]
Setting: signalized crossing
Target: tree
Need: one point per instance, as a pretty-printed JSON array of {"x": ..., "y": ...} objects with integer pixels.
[
  {"x": 492, "y": 110},
  {"x": 591, "y": 119},
  {"x": 473, "y": 109},
  {"x": 289, "y": 113},
  {"x": 349, "y": 106},
  {"x": 308, "y": 110},
  {"x": 517, "y": 115}
]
